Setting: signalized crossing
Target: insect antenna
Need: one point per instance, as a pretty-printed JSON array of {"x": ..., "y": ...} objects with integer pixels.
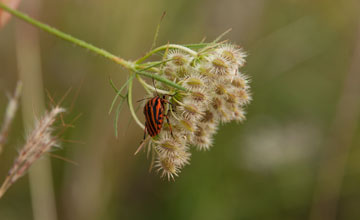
[
  {"x": 143, "y": 99},
  {"x": 153, "y": 81}
]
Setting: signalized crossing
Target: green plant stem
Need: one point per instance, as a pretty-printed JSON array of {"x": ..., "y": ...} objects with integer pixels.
[
  {"x": 126, "y": 64},
  {"x": 165, "y": 47},
  {"x": 160, "y": 79},
  {"x": 67, "y": 37},
  {"x": 147, "y": 87},
  {"x": 131, "y": 107}
]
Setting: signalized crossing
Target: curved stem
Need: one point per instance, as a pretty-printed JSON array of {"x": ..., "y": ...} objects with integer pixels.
[
  {"x": 126, "y": 64},
  {"x": 160, "y": 79},
  {"x": 147, "y": 86},
  {"x": 68, "y": 37},
  {"x": 178, "y": 102},
  {"x": 131, "y": 107},
  {"x": 144, "y": 84},
  {"x": 164, "y": 47}
]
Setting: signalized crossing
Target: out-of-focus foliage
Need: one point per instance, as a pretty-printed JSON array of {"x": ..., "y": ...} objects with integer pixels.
[{"x": 300, "y": 53}]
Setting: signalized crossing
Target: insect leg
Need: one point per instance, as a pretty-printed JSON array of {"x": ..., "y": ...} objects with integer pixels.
[
  {"x": 168, "y": 121},
  {"x": 145, "y": 131}
]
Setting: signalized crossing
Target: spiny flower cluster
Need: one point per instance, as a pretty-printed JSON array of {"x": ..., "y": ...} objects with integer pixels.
[{"x": 217, "y": 93}]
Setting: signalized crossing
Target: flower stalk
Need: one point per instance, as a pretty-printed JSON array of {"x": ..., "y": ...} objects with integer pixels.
[{"x": 124, "y": 63}]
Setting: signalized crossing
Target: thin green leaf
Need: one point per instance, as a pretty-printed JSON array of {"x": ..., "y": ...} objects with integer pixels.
[
  {"x": 118, "y": 110},
  {"x": 114, "y": 87},
  {"x": 154, "y": 64},
  {"x": 157, "y": 31},
  {"x": 161, "y": 79},
  {"x": 222, "y": 35},
  {"x": 197, "y": 46},
  {"x": 119, "y": 92}
]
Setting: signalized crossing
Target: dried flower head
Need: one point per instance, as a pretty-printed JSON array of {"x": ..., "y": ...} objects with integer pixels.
[
  {"x": 214, "y": 91},
  {"x": 217, "y": 92}
]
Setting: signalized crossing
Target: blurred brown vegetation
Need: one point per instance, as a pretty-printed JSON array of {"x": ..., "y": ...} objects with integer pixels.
[{"x": 295, "y": 157}]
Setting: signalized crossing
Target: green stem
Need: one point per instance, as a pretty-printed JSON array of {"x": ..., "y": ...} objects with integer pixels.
[
  {"x": 67, "y": 37},
  {"x": 147, "y": 87},
  {"x": 164, "y": 47},
  {"x": 160, "y": 79},
  {"x": 131, "y": 107},
  {"x": 126, "y": 64}
]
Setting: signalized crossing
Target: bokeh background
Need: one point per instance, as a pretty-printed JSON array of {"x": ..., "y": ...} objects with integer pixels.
[{"x": 296, "y": 156}]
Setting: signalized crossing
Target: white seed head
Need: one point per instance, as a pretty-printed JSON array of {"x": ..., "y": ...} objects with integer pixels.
[
  {"x": 187, "y": 125},
  {"x": 167, "y": 167},
  {"x": 178, "y": 58},
  {"x": 218, "y": 66},
  {"x": 199, "y": 97},
  {"x": 232, "y": 53},
  {"x": 182, "y": 157},
  {"x": 169, "y": 72},
  {"x": 203, "y": 136},
  {"x": 191, "y": 110},
  {"x": 194, "y": 81},
  {"x": 167, "y": 145}
]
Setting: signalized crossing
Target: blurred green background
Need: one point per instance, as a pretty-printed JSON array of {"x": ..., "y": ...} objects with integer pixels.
[{"x": 296, "y": 156}]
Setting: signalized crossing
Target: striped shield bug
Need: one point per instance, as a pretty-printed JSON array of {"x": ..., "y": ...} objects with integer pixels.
[{"x": 154, "y": 111}]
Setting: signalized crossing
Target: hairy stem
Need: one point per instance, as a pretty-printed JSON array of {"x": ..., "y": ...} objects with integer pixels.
[
  {"x": 126, "y": 64},
  {"x": 131, "y": 107},
  {"x": 165, "y": 47},
  {"x": 160, "y": 79},
  {"x": 147, "y": 87},
  {"x": 67, "y": 37}
]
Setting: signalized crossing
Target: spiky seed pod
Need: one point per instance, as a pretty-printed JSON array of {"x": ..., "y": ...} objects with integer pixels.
[
  {"x": 199, "y": 97},
  {"x": 194, "y": 82},
  {"x": 182, "y": 157},
  {"x": 234, "y": 54},
  {"x": 178, "y": 58},
  {"x": 186, "y": 124},
  {"x": 180, "y": 63},
  {"x": 240, "y": 82},
  {"x": 225, "y": 115},
  {"x": 167, "y": 145},
  {"x": 220, "y": 89},
  {"x": 167, "y": 167},
  {"x": 203, "y": 136},
  {"x": 178, "y": 154},
  {"x": 231, "y": 97},
  {"x": 238, "y": 114},
  {"x": 218, "y": 66},
  {"x": 243, "y": 96},
  {"x": 169, "y": 72},
  {"x": 208, "y": 117},
  {"x": 203, "y": 69},
  {"x": 191, "y": 111}
]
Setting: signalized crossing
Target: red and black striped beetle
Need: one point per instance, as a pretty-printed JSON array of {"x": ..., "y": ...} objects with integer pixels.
[{"x": 154, "y": 111}]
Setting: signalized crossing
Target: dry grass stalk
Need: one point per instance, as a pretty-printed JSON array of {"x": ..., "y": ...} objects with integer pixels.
[
  {"x": 9, "y": 115},
  {"x": 37, "y": 143}
]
